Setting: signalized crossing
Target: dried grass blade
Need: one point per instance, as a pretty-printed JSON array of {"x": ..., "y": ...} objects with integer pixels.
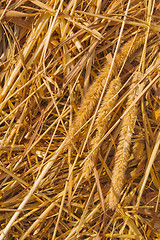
[
  {"x": 44, "y": 6},
  {"x": 93, "y": 32},
  {"x": 141, "y": 23},
  {"x": 20, "y": 22},
  {"x": 13, "y": 13}
]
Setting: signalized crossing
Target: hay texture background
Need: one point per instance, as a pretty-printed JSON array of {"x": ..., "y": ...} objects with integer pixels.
[{"x": 80, "y": 119}]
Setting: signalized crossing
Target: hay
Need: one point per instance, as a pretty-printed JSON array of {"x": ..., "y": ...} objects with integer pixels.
[{"x": 52, "y": 55}]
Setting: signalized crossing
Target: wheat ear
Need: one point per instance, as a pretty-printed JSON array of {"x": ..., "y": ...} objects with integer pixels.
[
  {"x": 94, "y": 92},
  {"x": 101, "y": 122},
  {"x": 123, "y": 148}
]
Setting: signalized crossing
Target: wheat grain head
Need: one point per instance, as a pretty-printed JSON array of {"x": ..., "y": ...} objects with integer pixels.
[
  {"x": 101, "y": 122},
  {"x": 94, "y": 92},
  {"x": 123, "y": 148}
]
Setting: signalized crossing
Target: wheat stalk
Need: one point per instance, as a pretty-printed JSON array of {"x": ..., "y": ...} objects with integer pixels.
[
  {"x": 101, "y": 122},
  {"x": 123, "y": 148}
]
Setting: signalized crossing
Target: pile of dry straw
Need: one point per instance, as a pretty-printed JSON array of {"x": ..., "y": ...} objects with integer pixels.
[{"x": 80, "y": 119}]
